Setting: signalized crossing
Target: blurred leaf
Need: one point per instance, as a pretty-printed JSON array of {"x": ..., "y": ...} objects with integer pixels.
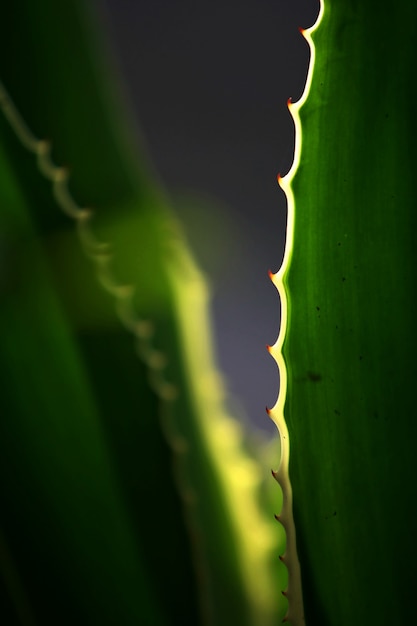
[{"x": 131, "y": 496}]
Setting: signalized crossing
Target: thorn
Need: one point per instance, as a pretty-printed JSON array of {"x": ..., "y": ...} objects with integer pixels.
[
  {"x": 270, "y": 273},
  {"x": 285, "y": 619},
  {"x": 289, "y": 102},
  {"x": 274, "y": 474},
  {"x": 268, "y": 410},
  {"x": 281, "y": 558},
  {"x": 301, "y": 30},
  {"x": 277, "y": 517},
  {"x": 284, "y": 593},
  {"x": 268, "y": 347}
]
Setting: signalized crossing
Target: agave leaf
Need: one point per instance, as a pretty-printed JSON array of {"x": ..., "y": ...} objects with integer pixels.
[
  {"x": 69, "y": 547},
  {"x": 351, "y": 339},
  {"x": 188, "y": 506}
]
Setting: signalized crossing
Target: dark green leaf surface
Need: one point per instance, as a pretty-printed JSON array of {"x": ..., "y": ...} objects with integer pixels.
[{"x": 351, "y": 343}]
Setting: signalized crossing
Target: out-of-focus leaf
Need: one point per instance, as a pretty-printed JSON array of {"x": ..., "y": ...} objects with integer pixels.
[{"x": 164, "y": 524}]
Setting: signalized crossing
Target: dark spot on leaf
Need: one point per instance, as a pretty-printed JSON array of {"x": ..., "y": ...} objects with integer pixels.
[
  {"x": 314, "y": 377},
  {"x": 337, "y": 412}
]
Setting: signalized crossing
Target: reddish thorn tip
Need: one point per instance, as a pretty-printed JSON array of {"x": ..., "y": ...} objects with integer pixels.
[
  {"x": 289, "y": 101},
  {"x": 270, "y": 274},
  {"x": 277, "y": 517},
  {"x": 284, "y": 593},
  {"x": 281, "y": 558},
  {"x": 268, "y": 347},
  {"x": 302, "y": 30},
  {"x": 268, "y": 410}
]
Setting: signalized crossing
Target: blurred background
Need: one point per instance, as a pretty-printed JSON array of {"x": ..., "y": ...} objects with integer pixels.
[{"x": 208, "y": 83}]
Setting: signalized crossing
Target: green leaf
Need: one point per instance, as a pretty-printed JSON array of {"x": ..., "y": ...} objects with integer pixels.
[
  {"x": 71, "y": 546},
  {"x": 131, "y": 495},
  {"x": 351, "y": 339}
]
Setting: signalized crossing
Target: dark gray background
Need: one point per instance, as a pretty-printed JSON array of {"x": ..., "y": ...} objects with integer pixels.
[{"x": 209, "y": 83}]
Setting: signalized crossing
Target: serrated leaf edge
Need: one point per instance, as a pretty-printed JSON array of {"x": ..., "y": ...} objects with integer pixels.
[
  {"x": 99, "y": 252},
  {"x": 293, "y": 593}
]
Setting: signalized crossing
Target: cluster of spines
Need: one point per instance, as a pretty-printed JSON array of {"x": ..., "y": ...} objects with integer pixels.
[{"x": 293, "y": 593}]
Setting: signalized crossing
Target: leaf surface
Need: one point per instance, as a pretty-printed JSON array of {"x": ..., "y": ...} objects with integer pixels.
[{"x": 351, "y": 341}]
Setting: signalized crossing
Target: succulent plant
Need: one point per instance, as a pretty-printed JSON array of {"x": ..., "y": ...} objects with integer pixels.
[{"x": 129, "y": 494}]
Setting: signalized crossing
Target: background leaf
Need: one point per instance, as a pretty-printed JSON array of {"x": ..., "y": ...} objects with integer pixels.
[{"x": 170, "y": 498}]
